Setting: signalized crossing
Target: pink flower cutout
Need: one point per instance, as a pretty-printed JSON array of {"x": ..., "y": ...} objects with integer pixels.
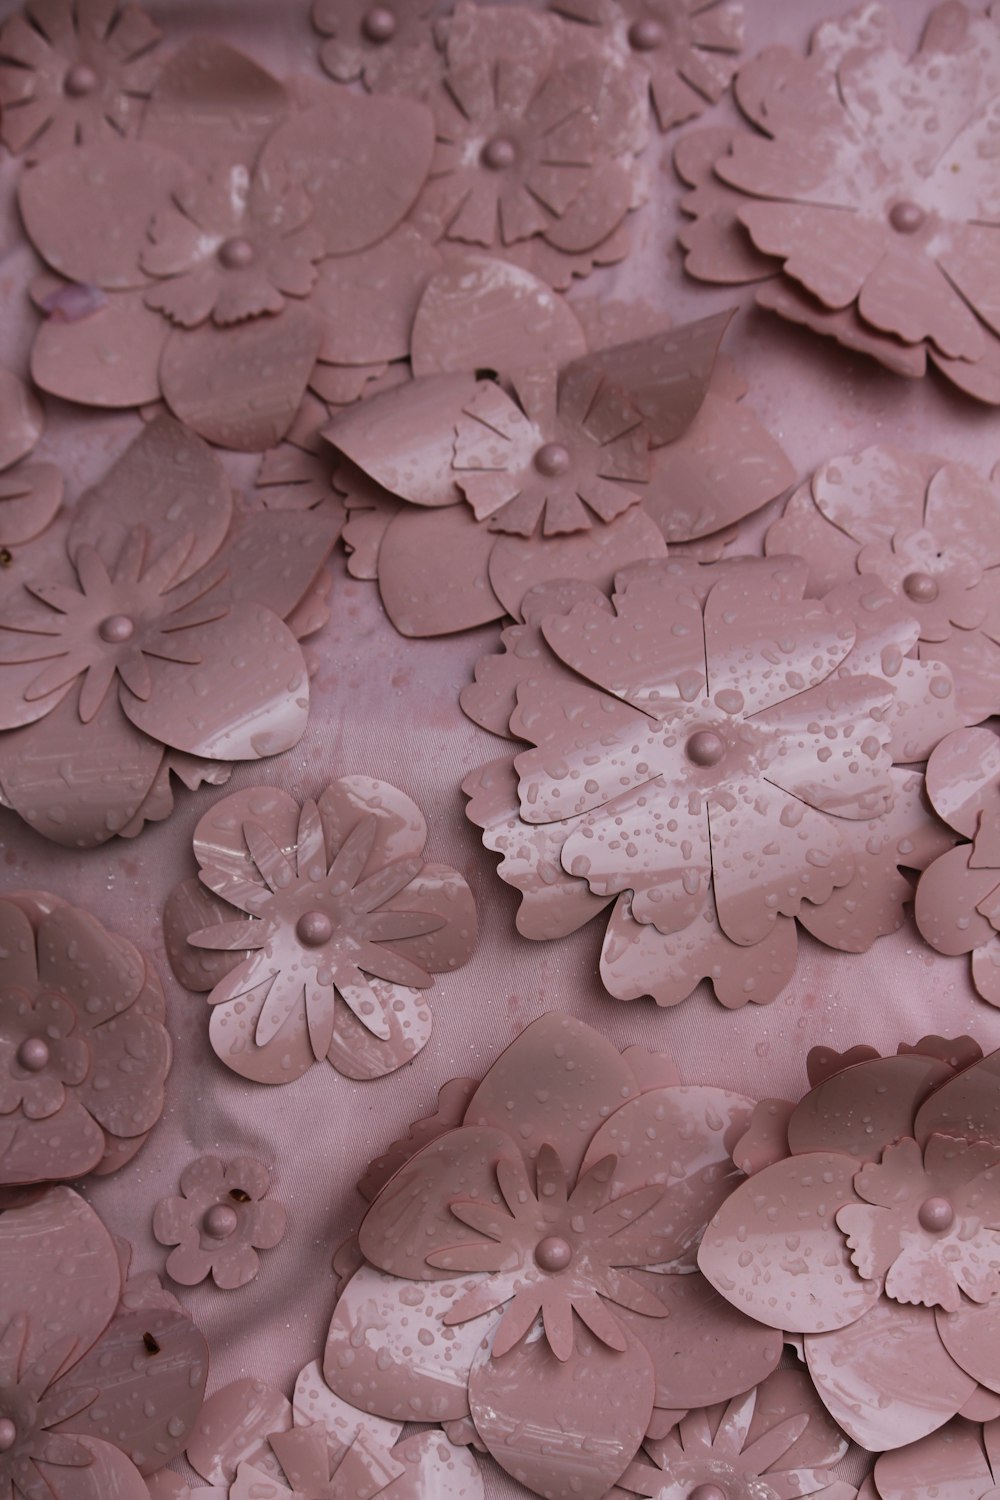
[
  {"x": 362, "y": 35},
  {"x": 869, "y": 1229},
  {"x": 157, "y": 642},
  {"x": 317, "y": 929},
  {"x": 30, "y": 493},
  {"x": 533, "y": 1267},
  {"x": 81, "y": 73},
  {"x": 84, "y": 1053},
  {"x": 958, "y": 898},
  {"x": 960, "y": 1458},
  {"x": 925, "y": 529},
  {"x": 101, "y": 1375},
  {"x": 220, "y": 1222},
  {"x": 860, "y": 199}
]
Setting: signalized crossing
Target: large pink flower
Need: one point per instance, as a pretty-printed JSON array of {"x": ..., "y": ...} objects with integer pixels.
[
  {"x": 101, "y": 1377},
  {"x": 535, "y": 1265},
  {"x": 161, "y": 631},
  {"x": 872, "y": 1228},
  {"x": 83, "y": 1050}
]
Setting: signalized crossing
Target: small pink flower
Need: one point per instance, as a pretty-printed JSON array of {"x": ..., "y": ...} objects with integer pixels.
[
  {"x": 219, "y": 1223},
  {"x": 362, "y": 36}
]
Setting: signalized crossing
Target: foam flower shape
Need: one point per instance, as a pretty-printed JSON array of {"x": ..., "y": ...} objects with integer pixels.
[
  {"x": 927, "y": 530},
  {"x": 534, "y": 1265},
  {"x": 869, "y": 1230},
  {"x": 958, "y": 1459},
  {"x": 83, "y": 1050},
  {"x": 101, "y": 1375},
  {"x": 361, "y": 37},
  {"x": 688, "y": 49},
  {"x": 161, "y": 629},
  {"x": 219, "y": 1222},
  {"x": 864, "y": 191},
  {"x": 317, "y": 929},
  {"x": 774, "y": 1442},
  {"x": 957, "y": 907},
  {"x": 30, "y": 493},
  {"x": 81, "y": 72}
]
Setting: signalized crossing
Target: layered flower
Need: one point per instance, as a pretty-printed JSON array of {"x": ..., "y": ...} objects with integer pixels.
[
  {"x": 865, "y": 192},
  {"x": 101, "y": 1377},
  {"x": 317, "y": 929},
  {"x": 30, "y": 493},
  {"x": 534, "y": 1266},
  {"x": 870, "y": 1228},
  {"x": 219, "y": 1222},
  {"x": 160, "y": 634},
  {"x": 927, "y": 530},
  {"x": 76, "y": 71},
  {"x": 362, "y": 37},
  {"x": 958, "y": 1459},
  {"x": 83, "y": 1050}
]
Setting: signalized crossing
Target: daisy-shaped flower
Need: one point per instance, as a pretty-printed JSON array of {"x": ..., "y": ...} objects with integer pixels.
[
  {"x": 960, "y": 1459},
  {"x": 317, "y": 929},
  {"x": 362, "y": 35},
  {"x": 73, "y": 71},
  {"x": 219, "y": 1222},
  {"x": 101, "y": 1377},
  {"x": 870, "y": 1230},
  {"x": 927, "y": 530},
  {"x": 539, "y": 1258},
  {"x": 84, "y": 1053},
  {"x": 161, "y": 628},
  {"x": 30, "y": 493}
]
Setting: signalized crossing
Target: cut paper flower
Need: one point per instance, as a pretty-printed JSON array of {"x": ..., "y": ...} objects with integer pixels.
[
  {"x": 362, "y": 36},
  {"x": 534, "y": 1267},
  {"x": 928, "y": 531},
  {"x": 101, "y": 1375},
  {"x": 157, "y": 642},
  {"x": 869, "y": 1231},
  {"x": 958, "y": 898},
  {"x": 863, "y": 201},
  {"x": 714, "y": 754},
  {"x": 219, "y": 1222},
  {"x": 687, "y": 49},
  {"x": 30, "y": 493},
  {"x": 961, "y": 1459},
  {"x": 775, "y": 1442},
  {"x": 72, "y": 72},
  {"x": 318, "y": 929},
  {"x": 84, "y": 1053}
]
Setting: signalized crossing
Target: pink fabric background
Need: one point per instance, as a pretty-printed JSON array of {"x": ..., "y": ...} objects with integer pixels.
[{"x": 387, "y": 707}]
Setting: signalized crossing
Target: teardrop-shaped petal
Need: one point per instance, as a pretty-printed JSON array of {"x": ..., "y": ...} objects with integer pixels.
[
  {"x": 357, "y": 1052},
  {"x": 434, "y": 572},
  {"x": 368, "y": 299},
  {"x": 233, "y": 1427},
  {"x": 30, "y": 497},
  {"x": 966, "y": 1106},
  {"x": 949, "y": 892},
  {"x": 21, "y": 419},
  {"x": 404, "y": 438},
  {"x": 111, "y": 358},
  {"x": 232, "y": 1032},
  {"x": 213, "y": 104},
  {"x": 863, "y": 1109}
]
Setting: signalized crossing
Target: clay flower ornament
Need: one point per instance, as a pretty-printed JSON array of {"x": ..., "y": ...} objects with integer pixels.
[
  {"x": 30, "y": 493},
  {"x": 960, "y": 1459},
  {"x": 534, "y": 1265},
  {"x": 158, "y": 642},
  {"x": 101, "y": 1374},
  {"x": 870, "y": 1228},
  {"x": 361, "y": 37},
  {"x": 317, "y": 928},
  {"x": 220, "y": 1221},
  {"x": 957, "y": 906},
  {"x": 861, "y": 200},
  {"x": 84, "y": 1053},
  {"x": 74, "y": 71}
]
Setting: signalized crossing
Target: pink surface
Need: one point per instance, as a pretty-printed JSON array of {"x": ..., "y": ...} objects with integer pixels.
[{"x": 388, "y": 707}]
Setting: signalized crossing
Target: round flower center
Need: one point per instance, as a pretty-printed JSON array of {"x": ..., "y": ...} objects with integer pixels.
[
  {"x": 553, "y": 1253},
  {"x": 646, "y": 35},
  {"x": 33, "y": 1054},
  {"x": 236, "y": 254},
  {"x": 116, "y": 629},
  {"x": 920, "y": 587},
  {"x": 314, "y": 928},
  {"x": 552, "y": 459},
  {"x": 220, "y": 1221},
  {"x": 705, "y": 748},
  {"x": 379, "y": 25},
  {"x": 707, "y": 1492},
  {"x": 499, "y": 154},
  {"x": 8, "y": 1434},
  {"x": 80, "y": 81},
  {"x": 936, "y": 1215},
  {"x": 907, "y": 217}
]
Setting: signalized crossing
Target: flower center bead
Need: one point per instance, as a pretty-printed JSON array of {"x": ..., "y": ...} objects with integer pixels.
[
  {"x": 33, "y": 1054},
  {"x": 705, "y": 748},
  {"x": 936, "y": 1215},
  {"x": 8, "y": 1434},
  {"x": 552, "y": 459},
  {"x": 553, "y": 1253},
  {"x": 907, "y": 217},
  {"x": 116, "y": 629},
  {"x": 499, "y": 154},
  {"x": 80, "y": 81},
  {"x": 379, "y": 25},
  {"x": 220, "y": 1221},
  {"x": 236, "y": 254},
  {"x": 314, "y": 928},
  {"x": 707, "y": 1492},
  {"x": 920, "y": 587},
  {"x": 646, "y": 35}
]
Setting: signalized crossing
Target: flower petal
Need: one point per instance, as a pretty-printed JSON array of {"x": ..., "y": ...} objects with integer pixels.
[
  {"x": 970, "y": 1337},
  {"x": 434, "y": 1467},
  {"x": 232, "y": 1032},
  {"x": 966, "y": 1106},
  {"x": 404, "y": 438},
  {"x": 191, "y": 908},
  {"x": 221, "y": 849},
  {"x": 273, "y": 558},
  {"x": 64, "y": 1143},
  {"x": 437, "y": 891},
  {"x": 111, "y": 358},
  {"x": 951, "y": 1460},
  {"x": 233, "y": 1427},
  {"x": 434, "y": 572},
  {"x": 211, "y": 103},
  {"x": 17, "y": 948},
  {"x": 21, "y": 419},
  {"x": 30, "y": 497},
  {"x": 357, "y": 1053},
  {"x": 865, "y": 1108},
  {"x": 369, "y": 299},
  {"x": 109, "y": 1474}
]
